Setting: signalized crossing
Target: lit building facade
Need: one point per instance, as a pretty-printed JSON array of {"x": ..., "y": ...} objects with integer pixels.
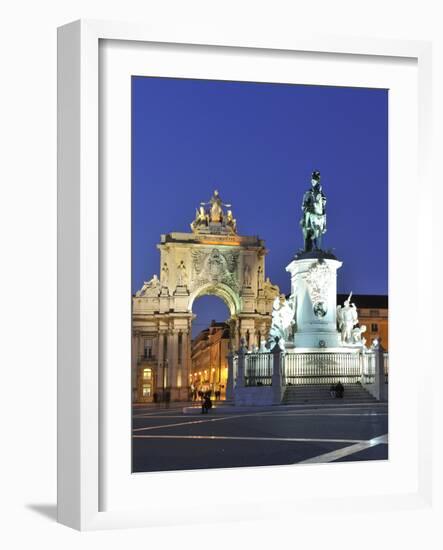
[{"x": 209, "y": 365}]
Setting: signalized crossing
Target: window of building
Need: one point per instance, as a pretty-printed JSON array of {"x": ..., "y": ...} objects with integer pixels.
[
  {"x": 374, "y": 327},
  {"x": 147, "y": 374},
  {"x": 146, "y": 390},
  {"x": 374, "y": 313},
  {"x": 148, "y": 348}
]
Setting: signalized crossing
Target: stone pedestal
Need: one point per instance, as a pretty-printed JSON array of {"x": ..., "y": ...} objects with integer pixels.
[
  {"x": 277, "y": 387},
  {"x": 181, "y": 296},
  {"x": 314, "y": 284},
  {"x": 249, "y": 299}
]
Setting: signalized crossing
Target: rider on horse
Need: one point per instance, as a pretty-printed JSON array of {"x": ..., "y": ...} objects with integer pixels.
[{"x": 313, "y": 221}]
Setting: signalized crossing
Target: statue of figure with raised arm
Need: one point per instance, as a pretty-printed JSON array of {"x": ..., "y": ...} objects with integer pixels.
[
  {"x": 313, "y": 221},
  {"x": 347, "y": 318},
  {"x": 216, "y": 210},
  {"x": 211, "y": 218}
]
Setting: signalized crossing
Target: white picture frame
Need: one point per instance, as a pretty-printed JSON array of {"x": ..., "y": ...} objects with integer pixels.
[{"x": 82, "y": 409}]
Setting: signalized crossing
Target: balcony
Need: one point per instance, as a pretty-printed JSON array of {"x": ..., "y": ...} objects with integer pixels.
[{"x": 147, "y": 359}]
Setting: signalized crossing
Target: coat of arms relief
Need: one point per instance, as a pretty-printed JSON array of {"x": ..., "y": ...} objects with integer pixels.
[
  {"x": 318, "y": 279},
  {"x": 215, "y": 266}
]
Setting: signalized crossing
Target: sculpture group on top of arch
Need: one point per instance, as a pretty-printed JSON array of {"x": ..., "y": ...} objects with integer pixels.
[{"x": 214, "y": 218}]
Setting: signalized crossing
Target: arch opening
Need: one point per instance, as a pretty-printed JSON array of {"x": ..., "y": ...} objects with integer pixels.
[
  {"x": 208, "y": 309},
  {"x": 212, "y": 327},
  {"x": 227, "y": 295}
]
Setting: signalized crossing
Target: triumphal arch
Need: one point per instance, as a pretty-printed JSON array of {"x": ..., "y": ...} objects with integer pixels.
[{"x": 212, "y": 259}]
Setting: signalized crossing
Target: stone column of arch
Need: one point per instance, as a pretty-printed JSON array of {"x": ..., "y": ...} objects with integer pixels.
[
  {"x": 186, "y": 360},
  {"x": 174, "y": 366},
  {"x": 169, "y": 367},
  {"x": 159, "y": 373}
]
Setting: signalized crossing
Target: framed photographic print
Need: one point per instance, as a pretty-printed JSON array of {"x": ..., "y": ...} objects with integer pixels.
[
  {"x": 238, "y": 240},
  {"x": 205, "y": 325}
]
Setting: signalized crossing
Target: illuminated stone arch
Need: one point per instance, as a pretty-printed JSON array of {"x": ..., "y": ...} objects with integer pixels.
[
  {"x": 231, "y": 299},
  {"x": 211, "y": 260}
]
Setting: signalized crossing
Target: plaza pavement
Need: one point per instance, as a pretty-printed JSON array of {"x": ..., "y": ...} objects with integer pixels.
[{"x": 166, "y": 439}]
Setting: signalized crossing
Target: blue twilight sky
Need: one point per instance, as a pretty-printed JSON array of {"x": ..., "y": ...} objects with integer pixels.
[{"x": 258, "y": 144}]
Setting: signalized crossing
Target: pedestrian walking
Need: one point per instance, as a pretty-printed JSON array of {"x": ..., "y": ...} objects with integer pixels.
[
  {"x": 206, "y": 403},
  {"x": 167, "y": 399}
]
